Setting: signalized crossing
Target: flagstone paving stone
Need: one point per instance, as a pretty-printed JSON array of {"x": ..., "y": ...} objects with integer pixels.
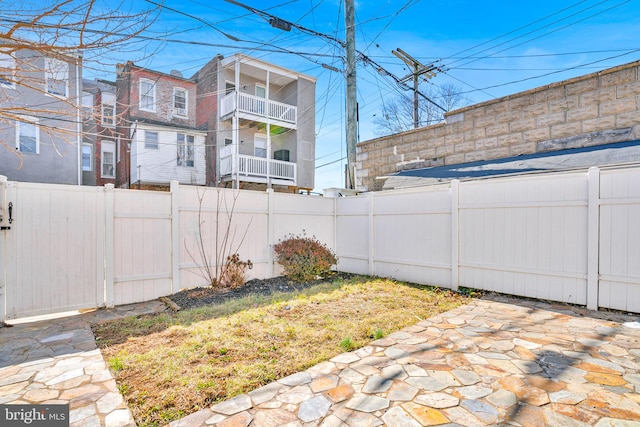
[
  {"x": 495, "y": 361},
  {"x": 56, "y": 361}
]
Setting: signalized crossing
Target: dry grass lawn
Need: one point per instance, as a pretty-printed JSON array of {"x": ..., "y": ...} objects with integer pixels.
[{"x": 170, "y": 365}]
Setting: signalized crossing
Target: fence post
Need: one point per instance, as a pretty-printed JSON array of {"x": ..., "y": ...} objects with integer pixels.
[
  {"x": 108, "y": 244},
  {"x": 455, "y": 236},
  {"x": 3, "y": 261},
  {"x": 10, "y": 248},
  {"x": 335, "y": 230},
  {"x": 270, "y": 231},
  {"x": 372, "y": 237},
  {"x": 175, "y": 236},
  {"x": 101, "y": 270},
  {"x": 593, "y": 239}
]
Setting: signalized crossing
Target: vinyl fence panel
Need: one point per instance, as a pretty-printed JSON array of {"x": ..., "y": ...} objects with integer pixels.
[
  {"x": 215, "y": 223},
  {"x": 353, "y": 236},
  {"x": 412, "y": 232},
  {"x": 302, "y": 215},
  {"x": 620, "y": 239},
  {"x": 571, "y": 237},
  {"x": 54, "y": 249},
  {"x": 525, "y": 236},
  {"x": 142, "y": 246}
]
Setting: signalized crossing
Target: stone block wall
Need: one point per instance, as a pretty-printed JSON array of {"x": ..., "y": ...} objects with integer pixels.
[{"x": 597, "y": 108}]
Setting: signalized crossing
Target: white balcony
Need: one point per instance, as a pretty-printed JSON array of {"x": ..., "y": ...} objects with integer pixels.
[
  {"x": 255, "y": 169},
  {"x": 255, "y": 108}
]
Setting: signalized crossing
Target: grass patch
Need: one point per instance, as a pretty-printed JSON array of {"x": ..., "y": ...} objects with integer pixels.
[{"x": 172, "y": 364}]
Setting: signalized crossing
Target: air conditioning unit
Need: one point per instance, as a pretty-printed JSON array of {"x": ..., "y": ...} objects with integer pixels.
[{"x": 281, "y": 155}]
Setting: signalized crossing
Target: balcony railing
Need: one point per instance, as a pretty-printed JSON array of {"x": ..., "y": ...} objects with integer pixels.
[
  {"x": 256, "y": 167},
  {"x": 257, "y": 106}
]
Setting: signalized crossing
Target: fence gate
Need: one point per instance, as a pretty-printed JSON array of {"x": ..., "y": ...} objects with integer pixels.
[{"x": 44, "y": 270}]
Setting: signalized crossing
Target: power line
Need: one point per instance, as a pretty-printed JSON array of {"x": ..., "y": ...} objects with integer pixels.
[
  {"x": 556, "y": 72},
  {"x": 550, "y": 32}
]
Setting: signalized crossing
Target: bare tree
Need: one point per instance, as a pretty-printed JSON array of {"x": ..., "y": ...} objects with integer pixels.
[
  {"x": 222, "y": 268},
  {"x": 397, "y": 114},
  {"x": 81, "y": 32}
]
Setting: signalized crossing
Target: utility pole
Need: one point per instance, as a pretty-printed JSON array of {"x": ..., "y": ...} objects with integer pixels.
[
  {"x": 349, "y": 45},
  {"x": 351, "y": 103},
  {"x": 419, "y": 69}
]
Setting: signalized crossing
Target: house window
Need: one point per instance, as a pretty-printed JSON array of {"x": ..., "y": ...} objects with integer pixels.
[
  {"x": 260, "y": 146},
  {"x": 108, "y": 156},
  {"x": 7, "y": 71},
  {"x": 186, "y": 145},
  {"x": 229, "y": 88},
  {"x": 147, "y": 95},
  {"x": 108, "y": 115},
  {"x": 87, "y": 105},
  {"x": 150, "y": 139},
  {"x": 28, "y": 136},
  {"x": 228, "y": 141},
  {"x": 108, "y": 109},
  {"x": 57, "y": 77},
  {"x": 261, "y": 93},
  {"x": 180, "y": 102},
  {"x": 87, "y": 157}
]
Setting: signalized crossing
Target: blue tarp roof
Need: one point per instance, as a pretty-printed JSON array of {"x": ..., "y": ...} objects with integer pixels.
[{"x": 598, "y": 155}]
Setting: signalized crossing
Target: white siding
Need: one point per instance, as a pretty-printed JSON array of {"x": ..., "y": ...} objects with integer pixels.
[{"x": 159, "y": 165}]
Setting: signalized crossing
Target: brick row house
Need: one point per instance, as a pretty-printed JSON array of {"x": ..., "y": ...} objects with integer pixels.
[
  {"x": 238, "y": 122},
  {"x": 158, "y": 140},
  {"x": 98, "y": 132}
]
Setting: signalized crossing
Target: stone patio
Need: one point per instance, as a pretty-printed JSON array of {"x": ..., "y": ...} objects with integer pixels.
[
  {"x": 495, "y": 361},
  {"x": 492, "y": 362}
]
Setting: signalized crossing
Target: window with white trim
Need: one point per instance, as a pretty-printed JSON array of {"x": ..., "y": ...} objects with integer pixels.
[
  {"x": 108, "y": 109},
  {"x": 87, "y": 157},
  {"x": 7, "y": 71},
  {"x": 261, "y": 91},
  {"x": 186, "y": 145},
  {"x": 87, "y": 105},
  {"x": 179, "y": 102},
  {"x": 260, "y": 146},
  {"x": 229, "y": 87},
  {"x": 56, "y": 77},
  {"x": 28, "y": 136},
  {"x": 107, "y": 156},
  {"x": 147, "y": 95},
  {"x": 150, "y": 139}
]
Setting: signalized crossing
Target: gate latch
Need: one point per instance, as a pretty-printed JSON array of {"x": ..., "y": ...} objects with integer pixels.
[{"x": 10, "y": 209}]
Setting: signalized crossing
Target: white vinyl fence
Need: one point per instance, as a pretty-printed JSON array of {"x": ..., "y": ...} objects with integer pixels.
[{"x": 570, "y": 237}]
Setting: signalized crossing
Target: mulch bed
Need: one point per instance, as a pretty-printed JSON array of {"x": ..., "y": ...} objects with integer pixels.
[{"x": 197, "y": 297}]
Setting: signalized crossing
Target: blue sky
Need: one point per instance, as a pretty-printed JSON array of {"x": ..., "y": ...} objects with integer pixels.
[{"x": 488, "y": 49}]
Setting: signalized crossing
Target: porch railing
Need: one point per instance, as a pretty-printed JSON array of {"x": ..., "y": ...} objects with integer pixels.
[
  {"x": 258, "y": 106},
  {"x": 257, "y": 167}
]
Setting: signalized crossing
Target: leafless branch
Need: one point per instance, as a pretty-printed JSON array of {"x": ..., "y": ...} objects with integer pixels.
[
  {"x": 83, "y": 32},
  {"x": 225, "y": 243}
]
